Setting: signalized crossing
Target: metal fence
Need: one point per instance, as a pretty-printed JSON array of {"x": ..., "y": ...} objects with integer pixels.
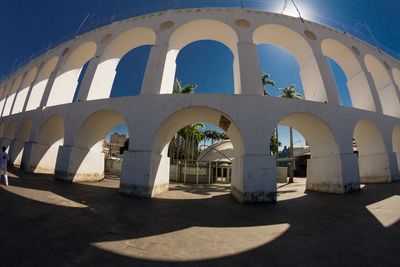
[{"x": 200, "y": 172}]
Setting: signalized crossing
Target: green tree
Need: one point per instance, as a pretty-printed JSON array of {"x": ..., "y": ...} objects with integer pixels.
[
  {"x": 175, "y": 144},
  {"x": 125, "y": 147},
  {"x": 266, "y": 80},
  {"x": 274, "y": 144},
  {"x": 191, "y": 134},
  {"x": 290, "y": 92},
  {"x": 183, "y": 89},
  {"x": 212, "y": 135}
]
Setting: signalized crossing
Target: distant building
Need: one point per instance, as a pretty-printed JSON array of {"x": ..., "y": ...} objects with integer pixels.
[{"x": 112, "y": 149}]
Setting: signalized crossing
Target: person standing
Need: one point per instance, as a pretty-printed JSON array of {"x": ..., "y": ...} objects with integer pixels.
[{"x": 3, "y": 164}]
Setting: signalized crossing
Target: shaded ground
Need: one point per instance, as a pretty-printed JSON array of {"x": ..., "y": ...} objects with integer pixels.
[{"x": 51, "y": 223}]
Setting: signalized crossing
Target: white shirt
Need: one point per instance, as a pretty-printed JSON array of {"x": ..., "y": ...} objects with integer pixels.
[{"x": 3, "y": 159}]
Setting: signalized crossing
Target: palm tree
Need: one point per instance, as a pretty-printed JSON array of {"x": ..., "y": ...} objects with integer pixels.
[
  {"x": 290, "y": 92},
  {"x": 266, "y": 80},
  {"x": 274, "y": 144},
  {"x": 190, "y": 134},
  {"x": 185, "y": 89},
  {"x": 179, "y": 89},
  {"x": 213, "y": 135}
]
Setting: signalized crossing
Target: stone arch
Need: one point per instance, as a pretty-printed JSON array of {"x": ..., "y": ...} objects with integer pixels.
[
  {"x": 9, "y": 135},
  {"x": 40, "y": 83},
  {"x": 324, "y": 168},
  {"x": 396, "y": 76},
  {"x": 197, "y": 30},
  {"x": 373, "y": 159},
  {"x": 51, "y": 137},
  {"x": 10, "y": 130},
  {"x": 3, "y": 98},
  {"x": 88, "y": 162},
  {"x": 296, "y": 44},
  {"x": 65, "y": 84},
  {"x": 11, "y": 96},
  {"x": 357, "y": 82},
  {"x": 159, "y": 169},
  {"x": 384, "y": 86},
  {"x": 18, "y": 144},
  {"x": 396, "y": 144},
  {"x": 23, "y": 93},
  {"x": 118, "y": 47}
]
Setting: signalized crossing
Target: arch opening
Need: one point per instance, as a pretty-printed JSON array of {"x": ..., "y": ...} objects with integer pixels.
[
  {"x": 319, "y": 157},
  {"x": 17, "y": 147},
  {"x": 51, "y": 137},
  {"x": 99, "y": 147},
  {"x": 160, "y": 169},
  {"x": 130, "y": 72},
  {"x": 384, "y": 86},
  {"x": 373, "y": 159},
  {"x": 106, "y": 71},
  {"x": 9, "y": 135},
  {"x": 310, "y": 74},
  {"x": 11, "y": 96},
  {"x": 199, "y": 30},
  {"x": 200, "y": 153},
  {"x": 356, "y": 83},
  {"x": 65, "y": 84},
  {"x": 23, "y": 92},
  {"x": 40, "y": 84},
  {"x": 212, "y": 73},
  {"x": 270, "y": 56}
]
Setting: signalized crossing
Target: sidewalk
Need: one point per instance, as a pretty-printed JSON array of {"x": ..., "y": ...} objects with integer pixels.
[{"x": 51, "y": 223}]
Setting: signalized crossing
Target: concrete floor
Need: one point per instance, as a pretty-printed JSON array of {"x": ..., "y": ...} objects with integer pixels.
[{"x": 51, "y": 223}]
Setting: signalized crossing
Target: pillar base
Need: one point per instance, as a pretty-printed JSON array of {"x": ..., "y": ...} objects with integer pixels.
[
  {"x": 374, "y": 168},
  {"x": 144, "y": 174},
  {"x": 16, "y": 149},
  {"x": 39, "y": 158},
  {"x": 329, "y": 175},
  {"x": 79, "y": 165},
  {"x": 258, "y": 183}
]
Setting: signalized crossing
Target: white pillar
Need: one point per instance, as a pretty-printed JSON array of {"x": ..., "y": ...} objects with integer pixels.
[
  {"x": 247, "y": 73},
  {"x": 258, "y": 183},
  {"x": 328, "y": 80},
  {"x": 28, "y": 95},
  {"x": 374, "y": 91},
  {"x": 144, "y": 174},
  {"x": 396, "y": 86},
  {"x": 86, "y": 84},
  {"x": 79, "y": 164},
  {"x": 17, "y": 92},
  {"x": 160, "y": 70},
  {"x": 52, "y": 78}
]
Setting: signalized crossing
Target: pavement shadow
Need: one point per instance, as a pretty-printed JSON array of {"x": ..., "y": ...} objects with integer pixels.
[{"x": 323, "y": 229}]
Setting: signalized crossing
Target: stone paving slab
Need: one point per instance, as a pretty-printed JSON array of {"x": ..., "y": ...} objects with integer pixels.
[{"x": 45, "y": 222}]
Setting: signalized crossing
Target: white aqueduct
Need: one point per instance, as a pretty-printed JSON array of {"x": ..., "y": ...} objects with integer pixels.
[{"x": 46, "y": 131}]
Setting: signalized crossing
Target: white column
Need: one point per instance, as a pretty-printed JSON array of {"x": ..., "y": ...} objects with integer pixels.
[
  {"x": 86, "y": 83},
  {"x": 28, "y": 95},
  {"x": 160, "y": 70},
  {"x": 327, "y": 77},
  {"x": 374, "y": 91},
  {"x": 51, "y": 80},
  {"x": 396, "y": 86},
  {"x": 17, "y": 92},
  {"x": 247, "y": 73}
]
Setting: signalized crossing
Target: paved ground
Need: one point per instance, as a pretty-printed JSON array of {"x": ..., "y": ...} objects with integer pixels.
[{"x": 52, "y": 223}]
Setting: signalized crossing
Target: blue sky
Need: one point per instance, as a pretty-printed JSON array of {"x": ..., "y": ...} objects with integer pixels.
[{"x": 28, "y": 27}]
